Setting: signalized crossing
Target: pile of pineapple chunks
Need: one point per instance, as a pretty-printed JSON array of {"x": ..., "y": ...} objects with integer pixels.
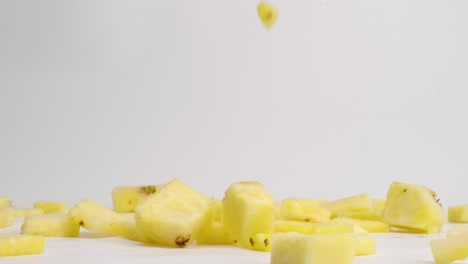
[{"x": 292, "y": 230}]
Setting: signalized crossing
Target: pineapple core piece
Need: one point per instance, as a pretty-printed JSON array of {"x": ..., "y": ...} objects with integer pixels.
[
  {"x": 51, "y": 207},
  {"x": 306, "y": 210},
  {"x": 96, "y": 218},
  {"x": 174, "y": 214},
  {"x": 312, "y": 249},
  {"x": 413, "y": 207},
  {"x": 16, "y": 245},
  {"x": 458, "y": 214},
  {"x": 50, "y": 225},
  {"x": 5, "y": 201},
  {"x": 450, "y": 249},
  {"x": 126, "y": 198},
  {"x": 248, "y": 209},
  {"x": 7, "y": 217}
]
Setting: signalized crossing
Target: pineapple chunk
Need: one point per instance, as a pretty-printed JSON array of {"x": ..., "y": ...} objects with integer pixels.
[
  {"x": 413, "y": 207},
  {"x": 312, "y": 249},
  {"x": 174, "y": 215},
  {"x": 330, "y": 227},
  {"x": 96, "y": 218},
  {"x": 267, "y": 13},
  {"x": 214, "y": 233},
  {"x": 365, "y": 245},
  {"x": 368, "y": 225},
  {"x": 355, "y": 203},
  {"x": 50, "y": 225},
  {"x": 22, "y": 212},
  {"x": 379, "y": 204},
  {"x": 7, "y": 217},
  {"x": 217, "y": 209},
  {"x": 261, "y": 242},
  {"x": 248, "y": 210},
  {"x": 367, "y": 215},
  {"x": 285, "y": 226},
  {"x": 51, "y": 207},
  {"x": 5, "y": 201},
  {"x": 126, "y": 198},
  {"x": 16, "y": 245},
  {"x": 277, "y": 211},
  {"x": 448, "y": 250},
  {"x": 130, "y": 231},
  {"x": 457, "y": 230},
  {"x": 458, "y": 214},
  {"x": 307, "y": 210}
]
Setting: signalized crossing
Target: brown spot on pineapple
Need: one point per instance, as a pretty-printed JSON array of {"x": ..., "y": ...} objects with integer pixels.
[
  {"x": 81, "y": 223},
  {"x": 266, "y": 242},
  {"x": 129, "y": 201},
  {"x": 307, "y": 219},
  {"x": 252, "y": 242},
  {"x": 149, "y": 189},
  {"x": 182, "y": 241}
]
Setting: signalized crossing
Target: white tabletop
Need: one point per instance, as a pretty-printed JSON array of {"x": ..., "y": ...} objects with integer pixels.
[{"x": 391, "y": 248}]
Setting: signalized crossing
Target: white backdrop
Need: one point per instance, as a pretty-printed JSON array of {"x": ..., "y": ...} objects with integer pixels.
[{"x": 338, "y": 98}]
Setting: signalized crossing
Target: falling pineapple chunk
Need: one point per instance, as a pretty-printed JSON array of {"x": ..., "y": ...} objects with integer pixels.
[
  {"x": 126, "y": 198},
  {"x": 16, "y": 245},
  {"x": 267, "y": 13},
  {"x": 51, "y": 207},
  {"x": 174, "y": 214},
  {"x": 450, "y": 249},
  {"x": 458, "y": 214},
  {"x": 5, "y": 201},
  {"x": 312, "y": 249},
  {"x": 7, "y": 217},
  {"x": 306, "y": 210},
  {"x": 50, "y": 225},
  {"x": 413, "y": 207},
  {"x": 248, "y": 209},
  {"x": 96, "y": 218}
]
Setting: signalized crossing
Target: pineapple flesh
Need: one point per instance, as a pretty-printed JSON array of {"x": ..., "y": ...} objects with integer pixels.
[
  {"x": 22, "y": 212},
  {"x": 173, "y": 215},
  {"x": 50, "y": 225},
  {"x": 7, "y": 217},
  {"x": 307, "y": 210},
  {"x": 125, "y": 199},
  {"x": 130, "y": 231},
  {"x": 51, "y": 207},
  {"x": 312, "y": 249},
  {"x": 356, "y": 203},
  {"x": 5, "y": 201},
  {"x": 267, "y": 14},
  {"x": 457, "y": 230},
  {"x": 248, "y": 209},
  {"x": 16, "y": 245},
  {"x": 450, "y": 249},
  {"x": 413, "y": 207},
  {"x": 458, "y": 214},
  {"x": 96, "y": 218}
]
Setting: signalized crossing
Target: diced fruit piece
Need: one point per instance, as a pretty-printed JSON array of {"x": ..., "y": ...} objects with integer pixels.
[
  {"x": 126, "y": 198},
  {"x": 306, "y": 210},
  {"x": 356, "y": 203},
  {"x": 261, "y": 242},
  {"x": 22, "y": 212},
  {"x": 458, "y": 214},
  {"x": 217, "y": 209},
  {"x": 365, "y": 245},
  {"x": 379, "y": 204},
  {"x": 368, "y": 225},
  {"x": 277, "y": 211},
  {"x": 51, "y": 207},
  {"x": 312, "y": 249},
  {"x": 330, "y": 227},
  {"x": 50, "y": 225},
  {"x": 448, "y": 250},
  {"x": 267, "y": 13},
  {"x": 367, "y": 215},
  {"x": 248, "y": 210},
  {"x": 96, "y": 218},
  {"x": 130, "y": 231},
  {"x": 5, "y": 201},
  {"x": 7, "y": 217},
  {"x": 174, "y": 215},
  {"x": 457, "y": 230},
  {"x": 285, "y": 226},
  {"x": 413, "y": 207},
  {"x": 214, "y": 233},
  {"x": 15, "y": 245}
]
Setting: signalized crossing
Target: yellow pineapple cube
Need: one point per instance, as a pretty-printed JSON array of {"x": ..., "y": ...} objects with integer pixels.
[
  {"x": 365, "y": 245},
  {"x": 261, "y": 242},
  {"x": 450, "y": 249},
  {"x": 296, "y": 248},
  {"x": 277, "y": 211},
  {"x": 7, "y": 217},
  {"x": 413, "y": 207},
  {"x": 285, "y": 226},
  {"x": 217, "y": 209},
  {"x": 458, "y": 214},
  {"x": 129, "y": 230},
  {"x": 248, "y": 210},
  {"x": 457, "y": 230},
  {"x": 22, "y": 212},
  {"x": 174, "y": 214},
  {"x": 367, "y": 215},
  {"x": 214, "y": 233},
  {"x": 126, "y": 198},
  {"x": 379, "y": 204},
  {"x": 356, "y": 203},
  {"x": 96, "y": 218},
  {"x": 306, "y": 210},
  {"x": 50, "y": 225},
  {"x": 5, "y": 201},
  {"x": 368, "y": 225},
  {"x": 51, "y": 207},
  {"x": 16, "y": 245}
]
